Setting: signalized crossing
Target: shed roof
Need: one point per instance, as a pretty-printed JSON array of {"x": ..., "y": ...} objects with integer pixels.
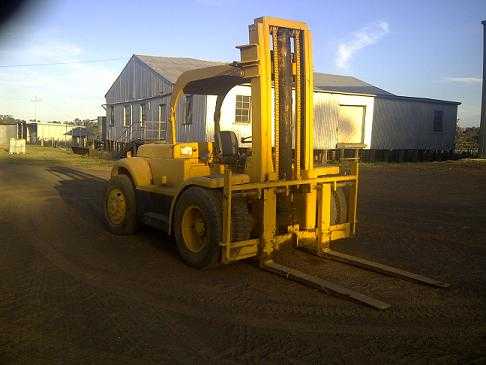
[
  {"x": 171, "y": 68},
  {"x": 79, "y": 131},
  {"x": 420, "y": 100},
  {"x": 345, "y": 84}
]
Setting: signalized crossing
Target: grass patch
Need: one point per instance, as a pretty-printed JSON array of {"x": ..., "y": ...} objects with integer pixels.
[{"x": 54, "y": 156}]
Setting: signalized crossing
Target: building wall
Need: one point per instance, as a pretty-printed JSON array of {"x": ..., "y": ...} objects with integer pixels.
[
  {"x": 49, "y": 132},
  {"x": 326, "y": 117},
  {"x": 403, "y": 124}
]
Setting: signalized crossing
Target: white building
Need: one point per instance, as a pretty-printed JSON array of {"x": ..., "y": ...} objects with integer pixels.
[
  {"x": 43, "y": 131},
  {"x": 345, "y": 110}
]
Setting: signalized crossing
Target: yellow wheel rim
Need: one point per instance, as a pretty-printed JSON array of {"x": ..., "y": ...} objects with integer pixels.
[
  {"x": 194, "y": 230},
  {"x": 116, "y": 206}
]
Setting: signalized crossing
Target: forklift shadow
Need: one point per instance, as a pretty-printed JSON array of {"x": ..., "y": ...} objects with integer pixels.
[
  {"x": 84, "y": 193},
  {"x": 81, "y": 191}
]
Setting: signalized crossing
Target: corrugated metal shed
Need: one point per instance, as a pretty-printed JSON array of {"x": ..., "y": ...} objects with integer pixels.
[{"x": 393, "y": 124}]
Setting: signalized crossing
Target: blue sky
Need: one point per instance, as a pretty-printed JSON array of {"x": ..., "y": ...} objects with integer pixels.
[{"x": 415, "y": 48}]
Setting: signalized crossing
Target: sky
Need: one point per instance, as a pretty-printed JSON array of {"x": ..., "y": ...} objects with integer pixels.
[{"x": 58, "y": 58}]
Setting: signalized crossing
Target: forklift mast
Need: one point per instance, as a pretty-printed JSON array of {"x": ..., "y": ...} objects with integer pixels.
[{"x": 280, "y": 53}]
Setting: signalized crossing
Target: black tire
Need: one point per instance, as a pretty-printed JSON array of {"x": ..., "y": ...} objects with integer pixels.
[
  {"x": 129, "y": 224},
  {"x": 242, "y": 221},
  {"x": 339, "y": 207},
  {"x": 209, "y": 205}
]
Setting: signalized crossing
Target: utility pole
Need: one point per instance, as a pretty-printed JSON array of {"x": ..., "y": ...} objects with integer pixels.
[
  {"x": 482, "y": 129},
  {"x": 35, "y": 100}
]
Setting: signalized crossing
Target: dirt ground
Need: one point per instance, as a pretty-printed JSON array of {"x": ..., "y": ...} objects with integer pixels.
[{"x": 70, "y": 292}]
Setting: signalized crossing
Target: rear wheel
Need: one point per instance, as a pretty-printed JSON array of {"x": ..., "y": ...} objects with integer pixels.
[
  {"x": 120, "y": 206},
  {"x": 198, "y": 227}
]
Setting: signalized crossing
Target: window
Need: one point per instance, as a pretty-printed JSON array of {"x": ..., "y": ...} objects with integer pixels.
[
  {"x": 143, "y": 113},
  {"x": 438, "y": 124},
  {"x": 127, "y": 115},
  {"x": 111, "y": 115},
  {"x": 162, "y": 113},
  {"x": 188, "y": 110},
  {"x": 242, "y": 113}
]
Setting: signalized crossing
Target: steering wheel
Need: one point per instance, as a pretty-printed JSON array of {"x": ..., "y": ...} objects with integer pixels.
[{"x": 246, "y": 139}]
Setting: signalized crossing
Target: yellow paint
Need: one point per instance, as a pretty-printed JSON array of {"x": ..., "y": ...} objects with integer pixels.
[
  {"x": 138, "y": 168},
  {"x": 194, "y": 230},
  {"x": 169, "y": 151},
  {"x": 116, "y": 206}
]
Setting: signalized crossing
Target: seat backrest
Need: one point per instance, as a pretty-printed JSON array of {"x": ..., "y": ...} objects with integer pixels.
[{"x": 228, "y": 143}]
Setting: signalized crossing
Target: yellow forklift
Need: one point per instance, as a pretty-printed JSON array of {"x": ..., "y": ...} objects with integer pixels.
[{"x": 224, "y": 205}]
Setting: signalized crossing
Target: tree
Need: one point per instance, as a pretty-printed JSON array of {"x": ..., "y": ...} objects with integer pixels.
[
  {"x": 467, "y": 139},
  {"x": 7, "y": 119}
]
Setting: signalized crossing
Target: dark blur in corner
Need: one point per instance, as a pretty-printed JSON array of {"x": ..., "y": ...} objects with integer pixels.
[{"x": 12, "y": 9}]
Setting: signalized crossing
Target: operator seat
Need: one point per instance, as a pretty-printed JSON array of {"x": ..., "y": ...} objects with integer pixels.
[{"x": 228, "y": 147}]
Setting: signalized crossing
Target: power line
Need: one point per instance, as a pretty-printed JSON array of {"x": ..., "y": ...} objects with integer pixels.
[{"x": 61, "y": 63}]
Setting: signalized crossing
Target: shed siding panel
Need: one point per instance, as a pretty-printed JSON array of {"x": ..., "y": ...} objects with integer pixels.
[
  {"x": 326, "y": 117},
  {"x": 400, "y": 124},
  {"x": 197, "y": 130},
  {"x": 137, "y": 81}
]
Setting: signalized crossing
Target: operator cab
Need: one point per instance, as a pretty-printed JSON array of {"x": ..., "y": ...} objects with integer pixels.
[{"x": 218, "y": 81}]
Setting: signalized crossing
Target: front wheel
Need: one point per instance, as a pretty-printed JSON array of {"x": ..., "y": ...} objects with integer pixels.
[
  {"x": 339, "y": 206},
  {"x": 120, "y": 206},
  {"x": 198, "y": 227}
]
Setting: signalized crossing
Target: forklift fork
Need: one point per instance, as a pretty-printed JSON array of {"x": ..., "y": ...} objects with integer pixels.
[
  {"x": 329, "y": 287},
  {"x": 381, "y": 268},
  {"x": 323, "y": 285}
]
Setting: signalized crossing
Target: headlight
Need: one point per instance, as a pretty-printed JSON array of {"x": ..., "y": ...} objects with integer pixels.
[{"x": 186, "y": 151}]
